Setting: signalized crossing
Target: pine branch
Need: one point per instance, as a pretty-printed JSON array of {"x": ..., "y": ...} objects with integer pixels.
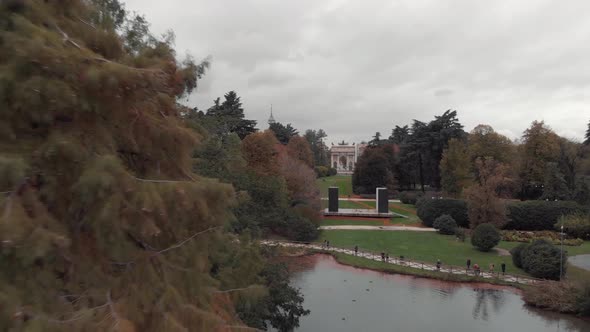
[
  {"x": 180, "y": 244},
  {"x": 112, "y": 309},
  {"x": 234, "y": 289},
  {"x": 87, "y": 23},
  {"x": 66, "y": 38}
]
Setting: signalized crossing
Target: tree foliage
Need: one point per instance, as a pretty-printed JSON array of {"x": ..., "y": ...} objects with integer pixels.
[
  {"x": 283, "y": 133},
  {"x": 482, "y": 198},
  {"x": 103, "y": 222},
  {"x": 320, "y": 152},
  {"x": 455, "y": 168},
  {"x": 298, "y": 148},
  {"x": 430, "y": 209},
  {"x": 541, "y": 259},
  {"x": 374, "y": 169}
]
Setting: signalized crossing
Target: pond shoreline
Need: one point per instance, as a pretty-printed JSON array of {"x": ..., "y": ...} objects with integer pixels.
[{"x": 349, "y": 261}]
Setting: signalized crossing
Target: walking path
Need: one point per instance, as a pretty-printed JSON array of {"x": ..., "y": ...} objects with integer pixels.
[
  {"x": 405, "y": 262},
  {"x": 378, "y": 228},
  {"x": 360, "y": 199}
]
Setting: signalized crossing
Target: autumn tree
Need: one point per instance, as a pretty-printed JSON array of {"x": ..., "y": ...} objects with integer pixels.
[
  {"x": 298, "y": 148},
  {"x": 484, "y": 142},
  {"x": 455, "y": 168},
  {"x": 484, "y": 205},
  {"x": 540, "y": 146},
  {"x": 104, "y": 224},
  {"x": 260, "y": 152}
]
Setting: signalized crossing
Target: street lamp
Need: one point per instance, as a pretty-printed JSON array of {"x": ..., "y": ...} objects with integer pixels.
[{"x": 561, "y": 255}]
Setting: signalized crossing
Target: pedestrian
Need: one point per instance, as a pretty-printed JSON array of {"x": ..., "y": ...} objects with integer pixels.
[
  {"x": 491, "y": 267},
  {"x": 438, "y": 264},
  {"x": 503, "y": 266},
  {"x": 356, "y": 250},
  {"x": 327, "y": 244},
  {"x": 383, "y": 256},
  {"x": 476, "y": 269},
  {"x": 387, "y": 257},
  {"x": 468, "y": 263}
]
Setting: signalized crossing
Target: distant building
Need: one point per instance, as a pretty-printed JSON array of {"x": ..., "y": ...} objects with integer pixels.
[{"x": 344, "y": 157}]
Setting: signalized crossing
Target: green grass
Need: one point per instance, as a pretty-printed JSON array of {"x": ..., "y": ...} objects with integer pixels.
[
  {"x": 421, "y": 246},
  {"x": 391, "y": 268},
  {"x": 343, "y": 182},
  {"x": 345, "y": 205},
  {"x": 333, "y": 222}
]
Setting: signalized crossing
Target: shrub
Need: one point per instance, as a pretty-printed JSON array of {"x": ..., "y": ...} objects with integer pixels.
[
  {"x": 530, "y": 236},
  {"x": 516, "y": 253},
  {"x": 410, "y": 197},
  {"x": 460, "y": 234},
  {"x": 332, "y": 171},
  {"x": 575, "y": 225},
  {"x": 430, "y": 209},
  {"x": 485, "y": 237},
  {"x": 321, "y": 171},
  {"x": 539, "y": 215},
  {"x": 541, "y": 259},
  {"x": 445, "y": 224}
]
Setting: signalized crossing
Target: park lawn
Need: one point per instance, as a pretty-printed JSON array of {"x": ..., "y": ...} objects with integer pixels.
[
  {"x": 334, "y": 222},
  {"x": 343, "y": 182},
  {"x": 420, "y": 246},
  {"x": 407, "y": 210},
  {"x": 345, "y": 205},
  {"x": 571, "y": 250}
]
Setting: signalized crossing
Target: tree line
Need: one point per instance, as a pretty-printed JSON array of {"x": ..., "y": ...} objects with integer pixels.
[{"x": 441, "y": 156}]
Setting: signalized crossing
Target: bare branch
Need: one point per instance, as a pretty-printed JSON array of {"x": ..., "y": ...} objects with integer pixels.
[
  {"x": 112, "y": 309},
  {"x": 87, "y": 23},
  {"x": 67, "y": 38},
  {"x": 160, "y": 181},
  {"x": 233, "y": 289},
  {"x": 180, "y": 244}
]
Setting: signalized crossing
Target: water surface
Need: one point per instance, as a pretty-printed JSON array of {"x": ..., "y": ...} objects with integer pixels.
[
  {"x": 343, "y": 298},
  {"x": 581, "y": 261}
]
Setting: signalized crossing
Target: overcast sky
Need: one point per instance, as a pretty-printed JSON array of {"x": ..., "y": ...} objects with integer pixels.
[{"x": 355, "y": 67}]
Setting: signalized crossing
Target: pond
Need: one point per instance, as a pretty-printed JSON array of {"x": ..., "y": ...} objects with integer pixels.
[{"x": 343, "y": 298}]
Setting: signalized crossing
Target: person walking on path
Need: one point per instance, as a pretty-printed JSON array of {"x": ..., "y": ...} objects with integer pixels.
[
  {"x": 476, "y": 269},
  {"x": 491, "y": 267},
  {"x": 468, "y": 263},
  {"x": 383, "y": 256},
  {"x": 327, "y": 244},
  {"x": 387, "y": 257},
  {"x": 356, "y": 250},
  {"x": 438, "y": 264},
  {"x": 503, "y": 266}
]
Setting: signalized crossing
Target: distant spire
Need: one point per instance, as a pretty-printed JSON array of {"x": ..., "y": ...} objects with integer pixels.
[{"x": 271, "y": 120}]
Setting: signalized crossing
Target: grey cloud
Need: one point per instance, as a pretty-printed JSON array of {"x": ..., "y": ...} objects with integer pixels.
[{"x": 357, "y": 67}]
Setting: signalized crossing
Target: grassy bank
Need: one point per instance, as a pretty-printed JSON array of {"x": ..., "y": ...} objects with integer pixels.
[
  {"x": 343, "y": 182},
  {"x": 390, "y": 268},
  {"x": 335, "y": 222}
]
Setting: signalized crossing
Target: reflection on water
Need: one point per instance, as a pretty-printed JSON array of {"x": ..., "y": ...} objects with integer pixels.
[{"x": 343, "y": 298}]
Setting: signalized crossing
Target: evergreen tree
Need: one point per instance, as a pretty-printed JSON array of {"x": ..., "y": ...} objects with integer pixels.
[
  {"x": 587, "y": 141},
  {"x": 283, "y": 133},
  {"x": 228, "y": 117},
  {"x": 318, "y": 147},
  {"x": 555, "y": 187},
  {"x": 399, "y": 135}
]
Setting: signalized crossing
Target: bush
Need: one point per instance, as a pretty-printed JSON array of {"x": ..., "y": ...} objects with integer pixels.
[
  {"x": 321, "y": 171},
  {"x": 575, "y": 225},
  {"x": 541, "y": 259},
  {"x": 485, "y": 237},
  {"x": 410, "y": 197},
  {"x": 539, "y": 215},
  {"x": 516, "y": 253},
  {"x": 332, "y": 171},
  {"x": 445, "y": 224},
  {"x": 583, "y": 301},
  {"x": 430, "y": 209},
  {"x": 460, "y": 234}
]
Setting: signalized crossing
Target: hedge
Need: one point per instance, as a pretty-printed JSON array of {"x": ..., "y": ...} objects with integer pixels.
[
  {"x": 410, "y": 197},
  {"x": 430, "y": 209},
  {"x": 575, "y": 225},
  {"x": 541, "y": 259},
  {"x": 445, "y": 224},
  {"x": 539, "y": 215}
]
